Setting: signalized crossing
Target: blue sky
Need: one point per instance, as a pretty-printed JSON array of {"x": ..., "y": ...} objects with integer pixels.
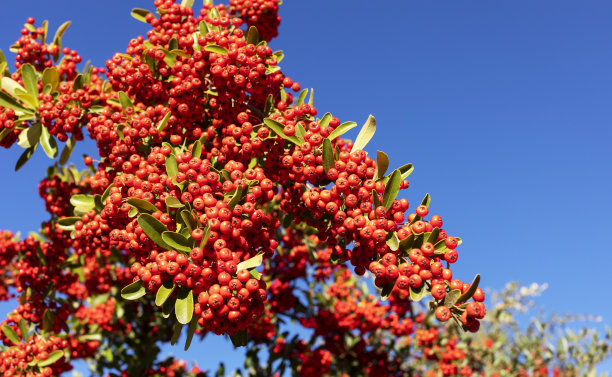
[{"x": 502, "y": 107}]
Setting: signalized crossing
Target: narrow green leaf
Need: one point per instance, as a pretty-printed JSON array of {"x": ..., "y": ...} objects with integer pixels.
[
  {"x": 176, "y": 333},
  {"x": 48, "y": 143},
  {"x": 53, "y": 357},
  {"x": 392, "y": 189},
  {"x": 206, "y": 236},
  {"x": 11, "y": 103},
  {"x": 171, "y": 166},
  {"x": 278, "y": 129},
  {"x": 328, "y": 155},
  {"x": 163, "y": 293},
  {"x": 172, "y": 202},
  {"x": 252, "y": 36},
  {"x": 365, "y": 135},
  {"x": 240, "y": 338},
  {"x": 269, "y": 105},
  {"x": 125, "y": 100},
  {"x": 142, "y": 205},
  {"x": 406, "y": 170},
  {"x": 11, "y": 86},
  {"x": 188, "y": 219},
  {"x": 140, "y": 14},
  {"x": 470, "y": 292},
  {"x": 376, "y": 199},
  {"x": 67, "y": 151},
  {"x": 236, "y": 198},
  {"x": 187, "y": 3},
  {"x": 324, "y": 122},
  {"x": 57, "y": 39},
  {"x": 311, "y": 98},
  {"x": 25, "y": 156},
  {"x": 216, "y": 49},
  {"x": 48, "y": 320},
  {"x": 406, "y": 244},
  {"x": 67, "y": 223},
  {"x": 176, "y": 241},
  {"x": 183, "y": 307},
  {"x": 301, "y": 97},
  {"x": 10, "y": 334},
  {"x": 300, "y": 131},
  {"x": 382, "y": 164},
  {"x": 30, "y": 81},
  {"x": 133, "y": 291},
  {"x": 23, "y": 329},
  {"x": 433, "y": 236},
  {"x": 78, "y": 82},
  {"x": 253, "y": 262},
  {"x": 196, "y": 151},
  {"x": 386, "y": 291},
  {"x": 341, "y": 130},
  {"x": 426, "y": 200},
  {"x": 193, "y": 325},
  {"x": 203, "y": 27},
  {"x": 153, "y": 228},
  {"x": 30, "y": 136}
]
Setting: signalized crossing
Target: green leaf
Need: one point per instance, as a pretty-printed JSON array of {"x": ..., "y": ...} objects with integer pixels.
[
  {"x": 140, "y": 14},
  {"x": 193, "y": 325},
  {"x": 416, "y": 294},
  {"x": 382, "y": 164},
  {"x": 67, "y": 151},
  {"x": 376, "y": 198},
  {"x": 278, "y": 129},
  {"x": 172, "y": 44},
  {"x": 406, "y": 244},
  {"x": 67, "y": 223},
  {"x": 406, "y": 170},
  {"x": 48, "y": 143},
  {"x": 269, "y": 105},
  {"x": 470, "y": 292},
  {"x": 451, "y": 298},
  {"x": 300, "y": 131},
  {"x": 153, "y": 228},
  {"x": 324, "y": 122},
  {"x": 125, "y": 100},
  {"x": 57, "y": 39},
  {"x": 188, "y": 219},
  {"x": 30, "y": 136},
  {"x": 78, "y": 82},
  {"x": 187, "y": 3},
  {"x": 172, "y": 202},
  {"x": 163, "y": 293},
  {"x": 48, "y": 320},
  {"x": 30, "y": 81},
  {"x": 11, "y": 86},
  {"x": 311, "y": 98},
  {"x": 162, "y": 124},
  {"x": 25, "y": 156},
  {"x": 11, "y": 103},
  {"x": 81, "y": 200},
  {"x": 142, "y": 205},
  {"x": 392, "y": 241},
  {"x": 328, "y": 155},
  {"x": 183, "y": 307},
  {"x": 176, "y": 333},
  {"x": 203, "y": 27},
  {"x": 168, "y": 307},
  {"x": 106, "y": 192},
  {"x": 426, "y": 200},
  {"x": 392, "y": 189},
  {"x": 176, "y": 241},
  {"x": 171, "y": 166},
  {"x": 196, "y": 151},
  {"x": 301, "y": 97},
  {"x": 53, "y": 357},
  {"x": 365, "y": 135},
  {"x": 252, "y": 36},
  {"x": 216, "y": 49},
  {"x": 240, "y": 338},
  {"x": 433, "y": 236},
  {"x": 133, "y": 291},
  {"x": 206, "y": 236},
  {"x": 23, "y": 329},
  {"x": 236, "y": 198},
  {"x": 10, "y": 334},
  {"x": 341, "y": 130},
  {"x": 253, "y": 262}
]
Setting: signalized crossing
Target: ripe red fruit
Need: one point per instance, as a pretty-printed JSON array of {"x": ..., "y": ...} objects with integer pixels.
[
  {"x": 451, "y": 242},
  {"x": 422, "y": 211},
  {"x": 443, "y": 313},
  {"x": 438, "y": 291},
  {"x": 479, "y": 295}
]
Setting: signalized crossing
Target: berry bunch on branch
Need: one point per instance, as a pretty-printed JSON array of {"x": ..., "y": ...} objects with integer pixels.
[{"x": 216, "y": 186}]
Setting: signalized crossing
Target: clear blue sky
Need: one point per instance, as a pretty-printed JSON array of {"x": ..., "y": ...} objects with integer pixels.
[{"x": 504, "y": 108}]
